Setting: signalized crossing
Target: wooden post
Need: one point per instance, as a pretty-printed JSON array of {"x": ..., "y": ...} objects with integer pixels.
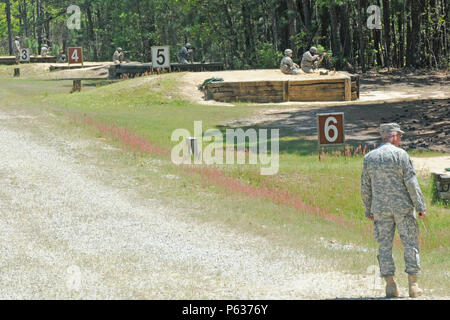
[
  {"x": 286, "y": 91},
  {"x": 76, "y": 85},
  {"x": 348, "y": 89},
  {"x": 16, "y": 72}
]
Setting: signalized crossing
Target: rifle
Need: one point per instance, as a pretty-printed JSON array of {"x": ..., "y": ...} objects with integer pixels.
[{"x": 322, "y": 55}]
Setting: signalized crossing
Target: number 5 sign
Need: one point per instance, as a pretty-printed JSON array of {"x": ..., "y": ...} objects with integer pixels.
[
  {"x": 161, "y": 57},
  {"x": 330, "y": 129},
  {"x": 75, "y": 55}
]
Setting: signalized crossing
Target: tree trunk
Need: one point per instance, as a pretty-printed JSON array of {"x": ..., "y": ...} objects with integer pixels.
[
  {"x": 334, "y": 24},
  {"x": 248, "y": 33},
  {"x": 362, "y": 59},
  {"x": 291, "y": 13},
  {"x": 414, "y": 43},
  {"x": 91, "y": 33},
  {"x": 39, "y": 24},
  {"x": 8, "y": 19},
  {"x": 306, "y": 13},
  {"x": 345, "y": 34},
  {"x": 387, "y": 33}
]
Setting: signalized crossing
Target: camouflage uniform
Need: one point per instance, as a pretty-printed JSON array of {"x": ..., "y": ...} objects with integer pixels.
[
  {"x": 118, "y": 56},
  {"x": 309, "y": 62},
  {"x": 185, "y": 55},
  {"x": 390, "y": 192},
  {"x": 287, "y": 66},
  {"x": 17, "y": 50}
]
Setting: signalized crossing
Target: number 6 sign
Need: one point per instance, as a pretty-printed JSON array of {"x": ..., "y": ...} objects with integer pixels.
[
  {"x": 161, "y": 57},
  {"x": 330, "y": 129},
  {"x": 75, "y": 55}
]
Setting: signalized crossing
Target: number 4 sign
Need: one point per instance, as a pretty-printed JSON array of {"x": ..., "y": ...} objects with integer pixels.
[
  {"x": 331, "y": 129},
  {"x": 75, "y": 55}
]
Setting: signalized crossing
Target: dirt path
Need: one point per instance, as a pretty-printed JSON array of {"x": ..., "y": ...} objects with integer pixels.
[{"x": 65, "y": 234}]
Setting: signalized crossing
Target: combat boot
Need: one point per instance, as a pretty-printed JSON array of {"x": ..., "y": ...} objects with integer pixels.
[
  {"x": 414, "y": 290},
  {"x": 391, "y": 287}
]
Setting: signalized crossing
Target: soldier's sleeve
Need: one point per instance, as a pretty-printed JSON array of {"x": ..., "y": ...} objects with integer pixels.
[
  {"x": 308, "y": 56},
  {"x": 412, "y": 185},
  {"x": 366, "y": 190},
  {"x": 290, "y": 62}
]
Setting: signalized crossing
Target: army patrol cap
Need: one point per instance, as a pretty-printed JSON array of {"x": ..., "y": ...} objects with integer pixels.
[
  {"x": 390, "y": 128},
  {"x": 287, "y": 51}
]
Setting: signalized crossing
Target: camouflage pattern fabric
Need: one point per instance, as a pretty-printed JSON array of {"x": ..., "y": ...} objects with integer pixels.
[
  {"x": 118, "y": 56},
  {"x": 384, "y": 230},
  {"x": 309, "y": 62},
  {"x": 185, "y": 55},
  {"x": 287, "y": 66},
  {"x": 389, "y": 182},
  {"x": 17, "y": 50},
  {"x": 390, "y": 192}
]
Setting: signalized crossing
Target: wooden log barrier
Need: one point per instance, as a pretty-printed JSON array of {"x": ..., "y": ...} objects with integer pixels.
[{"x": 332, "y": 89}]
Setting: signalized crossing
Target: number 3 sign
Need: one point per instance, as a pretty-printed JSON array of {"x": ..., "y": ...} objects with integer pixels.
[
  {"x": 25, "y": 55},
  {"x": 75, "y": 55},
  {"x": 330, "y": 129},
  {"x": 161, "y": 57}
]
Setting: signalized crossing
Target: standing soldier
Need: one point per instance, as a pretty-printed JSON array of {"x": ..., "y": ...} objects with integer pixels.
[
  {"x": 186, "y": 54},
  {"x": 17, "y": 49},
  {"x": 287, "y": 66},
  {"x": 390, "y": 192},
  {"x": 311, "y": 60}
]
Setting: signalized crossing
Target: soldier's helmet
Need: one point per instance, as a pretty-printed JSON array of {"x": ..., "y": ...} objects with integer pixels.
[
  {"x": 287, "y": 51},
  {"x": 17, "y": 37},
  {"x": 313, "y": 49},
  {"x": 119, "y": 49},
  {"x": 390, "y": 128},
  {"x": 188, "y": 45}
]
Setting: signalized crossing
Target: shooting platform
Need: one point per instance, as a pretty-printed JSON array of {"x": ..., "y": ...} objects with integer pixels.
[
  {"x": 273, "y": 86},
  {"x": 132, "y": 70},
  {"x": 10, "y": 60}
]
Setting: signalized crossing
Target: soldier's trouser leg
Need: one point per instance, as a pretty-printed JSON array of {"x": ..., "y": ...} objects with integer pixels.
[
  {"x": 408, "y": 230},
  {"x": 307, "y": 69},
  {"x": 384, "y": 230}
]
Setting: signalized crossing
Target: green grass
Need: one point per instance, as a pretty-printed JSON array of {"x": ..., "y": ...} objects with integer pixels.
[{"x": 153, "y": 109}]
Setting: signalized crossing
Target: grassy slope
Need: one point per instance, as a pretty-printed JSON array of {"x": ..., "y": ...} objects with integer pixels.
[{"x": 152, "y": 109}]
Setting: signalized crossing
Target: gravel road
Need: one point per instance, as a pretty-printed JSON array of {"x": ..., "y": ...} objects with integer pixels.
[{"x": 65, "y": 234}]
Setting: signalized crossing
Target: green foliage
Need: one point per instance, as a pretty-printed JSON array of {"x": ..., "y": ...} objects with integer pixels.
[
  {"x": 242, "y": 34},
  {"x": 268, "y": 57}
]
